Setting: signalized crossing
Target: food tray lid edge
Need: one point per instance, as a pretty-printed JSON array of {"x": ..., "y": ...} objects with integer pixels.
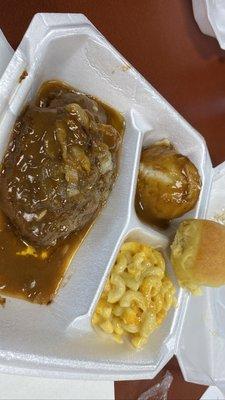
[
  {"x": 201, "y": 346},
  {"x": 6, "y": 52}
]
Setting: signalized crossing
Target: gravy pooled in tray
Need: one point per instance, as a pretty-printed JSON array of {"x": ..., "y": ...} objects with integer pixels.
[{"x": 56, "y": 175}]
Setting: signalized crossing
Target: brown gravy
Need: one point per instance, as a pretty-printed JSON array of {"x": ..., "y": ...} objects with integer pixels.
[{"x": 31, "y": 272}]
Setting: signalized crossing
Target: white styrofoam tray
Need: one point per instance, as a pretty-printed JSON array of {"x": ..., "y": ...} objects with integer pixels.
[{"x": 58, "y": 340}]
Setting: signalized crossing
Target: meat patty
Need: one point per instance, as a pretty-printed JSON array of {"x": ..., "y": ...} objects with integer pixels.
[{"x": 60, "y": 165}]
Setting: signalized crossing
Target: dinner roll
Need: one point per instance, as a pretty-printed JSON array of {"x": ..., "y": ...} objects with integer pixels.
[{"x": 198, "y": 254}]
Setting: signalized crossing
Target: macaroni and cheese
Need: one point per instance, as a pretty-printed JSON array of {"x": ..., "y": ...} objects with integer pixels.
[{"x": 137, "y": 296}]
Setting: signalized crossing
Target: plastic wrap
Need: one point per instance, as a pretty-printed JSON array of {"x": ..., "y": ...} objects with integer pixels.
[{"x": 158, "y": 391}]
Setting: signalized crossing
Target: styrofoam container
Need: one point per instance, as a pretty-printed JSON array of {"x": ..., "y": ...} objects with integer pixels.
[{"x": 58, "y": 340}]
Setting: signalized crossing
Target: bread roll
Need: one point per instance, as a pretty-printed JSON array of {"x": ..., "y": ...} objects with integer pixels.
[{"x": 198, "y": 254}]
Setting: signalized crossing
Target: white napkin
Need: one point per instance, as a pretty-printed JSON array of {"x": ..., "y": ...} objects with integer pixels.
[{"x": 210, "y": 17}]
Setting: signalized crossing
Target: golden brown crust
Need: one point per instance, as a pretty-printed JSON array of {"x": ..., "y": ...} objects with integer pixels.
[
  {"x": 211, "y": 254},
  {"x": 198, "y": 254}
]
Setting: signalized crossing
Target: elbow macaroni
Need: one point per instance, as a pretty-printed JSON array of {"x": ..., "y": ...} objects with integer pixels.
[{"x": 137, "y": 295}]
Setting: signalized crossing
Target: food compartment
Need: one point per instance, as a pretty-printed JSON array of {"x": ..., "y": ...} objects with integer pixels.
[
  {"x": 193, "y": 147},
  {"x": 58, "y": 171},
  {"x": 161, "y": 343}
]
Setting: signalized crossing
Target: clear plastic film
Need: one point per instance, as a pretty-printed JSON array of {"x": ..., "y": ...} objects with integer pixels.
[{"x": 158, "y": 391}]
